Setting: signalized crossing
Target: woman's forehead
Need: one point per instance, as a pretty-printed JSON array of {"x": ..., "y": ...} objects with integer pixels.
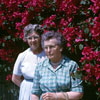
[
  {"x": 33, "y": 33},
  {"x": 51, "y": 41}
]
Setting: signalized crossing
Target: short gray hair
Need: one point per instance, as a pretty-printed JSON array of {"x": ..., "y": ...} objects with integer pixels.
[
  {"x": 51, "y": 34},
  {"x": 30, "y": 28}
]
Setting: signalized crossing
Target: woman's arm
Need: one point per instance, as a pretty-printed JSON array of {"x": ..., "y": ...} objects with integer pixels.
[
  {"x": 69, "y": 95},
  {"x": 62, "y": 96},
  {"x": 17, "y": 79},
  {"x": 75, "y": 95},
  {"x": 34, "y": 97}
]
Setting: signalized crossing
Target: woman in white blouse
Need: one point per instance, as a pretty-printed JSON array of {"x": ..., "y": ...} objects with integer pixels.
[{"x": 26, "y": 61}]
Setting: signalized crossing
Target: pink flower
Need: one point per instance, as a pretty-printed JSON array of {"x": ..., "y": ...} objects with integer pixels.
[
  {"x": 99, "y": 90},
  {"x": 8, "y": 77},
  {"x": 79, "y": 40}
]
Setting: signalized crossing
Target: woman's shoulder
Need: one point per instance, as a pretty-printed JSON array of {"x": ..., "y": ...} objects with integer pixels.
[
  {"x": 22, "y": 54},
  {"x": 68, "y": 60},
  {"x": 43, "y": 64},
  {"x": 71, "y": 64},
  {"x": 27, "y": 50}
]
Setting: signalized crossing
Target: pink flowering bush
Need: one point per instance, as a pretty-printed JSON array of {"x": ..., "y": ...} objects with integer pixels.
[{"x": 77, "y": 20}]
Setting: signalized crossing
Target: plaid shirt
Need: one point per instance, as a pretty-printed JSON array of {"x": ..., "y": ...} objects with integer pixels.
[{"x": 47, "y": 79}]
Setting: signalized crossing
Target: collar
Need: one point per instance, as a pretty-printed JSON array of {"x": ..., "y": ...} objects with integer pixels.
[{"x": 62, "y": 64}]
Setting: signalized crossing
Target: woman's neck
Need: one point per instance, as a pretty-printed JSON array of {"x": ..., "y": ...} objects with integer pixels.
[
  {"x": 37, "y": 51},
  {"x": 56, "y": 62},
  {"x": 57, "y": 59}
]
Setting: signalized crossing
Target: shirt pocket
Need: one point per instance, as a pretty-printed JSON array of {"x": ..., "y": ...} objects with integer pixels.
[{"x": 64, "y": 81}]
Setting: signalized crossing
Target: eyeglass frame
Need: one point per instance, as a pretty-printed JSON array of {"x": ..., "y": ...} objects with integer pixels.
[{"x": 31, "y": 37}]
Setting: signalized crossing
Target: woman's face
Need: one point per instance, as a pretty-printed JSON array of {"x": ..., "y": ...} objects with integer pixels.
[
  {"x": 52, "y": 50},
  {"x": 34, "y": 41}
]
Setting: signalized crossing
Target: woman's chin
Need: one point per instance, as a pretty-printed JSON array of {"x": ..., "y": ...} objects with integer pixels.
[{"x": 50, "y": 57}]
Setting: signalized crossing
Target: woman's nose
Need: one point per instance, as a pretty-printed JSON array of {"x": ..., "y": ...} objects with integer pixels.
[
  {"x": 48, "y": 49},
  {"x": 33, "y": 39}
]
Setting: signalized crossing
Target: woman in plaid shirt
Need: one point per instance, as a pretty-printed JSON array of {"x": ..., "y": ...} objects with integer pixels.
[{"x": 53, "y": 80}]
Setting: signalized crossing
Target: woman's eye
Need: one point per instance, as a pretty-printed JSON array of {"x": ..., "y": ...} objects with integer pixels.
[
  {"x": 45, "y": 47},
  {"x": 49, "y": 47},
  {"x": 30, "y": 38},
  {"x": 52, "y": 46}
]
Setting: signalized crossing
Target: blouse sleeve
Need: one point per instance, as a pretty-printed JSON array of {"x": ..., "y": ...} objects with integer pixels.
[
  {"x": 17, "y": 65},
  {"x": 36, "y": 82},
  {"x": 76, "y": 84}
]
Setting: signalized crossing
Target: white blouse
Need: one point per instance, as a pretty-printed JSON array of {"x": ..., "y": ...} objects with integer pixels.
[{"x": 26, "y": 63}]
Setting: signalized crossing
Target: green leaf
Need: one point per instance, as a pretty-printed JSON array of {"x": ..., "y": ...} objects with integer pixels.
[
  {"x": 83, "y": 2},
  {"x": 86, "y": 40},
  {"x": 86, "y": 30},
  {"x": 40, "y": 18},
  {"x": 2, "y": 14},
  {"x": 53, "y": 9},
  {"x": 5, "y": 69},
  {"x": 81, "y": 46},
  {"x": 0, "y": 65},
  {"x": 3, "y": 44},
  {"x": 44, "y": 26},
  {"x": 8, "y": 37},
  {"x": 5, "y": 22},
  {"x": 13, "y": 39},
  {"x": 9, "y": 68},
  {"x": 31, "y": 8},
  {"x": 20, "y": 6},
  {"x": 78, "y": 75}
]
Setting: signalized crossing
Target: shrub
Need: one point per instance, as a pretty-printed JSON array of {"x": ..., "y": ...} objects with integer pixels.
[{"x": 78, "y": 20}]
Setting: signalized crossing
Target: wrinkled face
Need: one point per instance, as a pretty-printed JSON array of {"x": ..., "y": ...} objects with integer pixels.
[
  {"x": 52, "y": 50},
  {"x": 34, "y": 41}
]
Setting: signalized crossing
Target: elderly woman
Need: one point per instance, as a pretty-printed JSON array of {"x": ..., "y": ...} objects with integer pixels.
[
  {"x": 53, "y": 80},
  {"x": 27, "y": 61}
]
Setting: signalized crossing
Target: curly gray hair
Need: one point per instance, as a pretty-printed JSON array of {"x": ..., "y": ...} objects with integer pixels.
[
  {"x": 30, "y": 28},
  {"x": 61, "y": 41}
]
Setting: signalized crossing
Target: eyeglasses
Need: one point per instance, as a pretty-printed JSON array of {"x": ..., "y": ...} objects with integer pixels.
[
  {"x": 31, "y": 37},
  {"x": 50, "y": 47}
]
